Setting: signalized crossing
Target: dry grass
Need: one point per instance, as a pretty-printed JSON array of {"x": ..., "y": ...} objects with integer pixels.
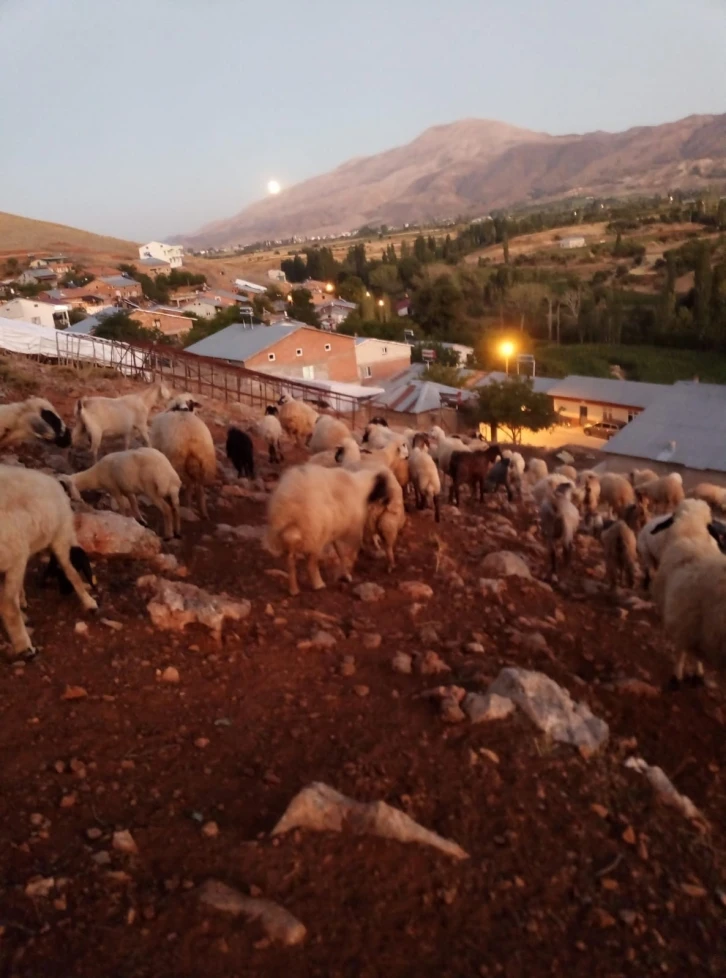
[{"x": 23, "y": 235}]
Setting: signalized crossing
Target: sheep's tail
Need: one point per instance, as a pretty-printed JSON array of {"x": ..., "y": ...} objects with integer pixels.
[
  {"x": 199, "y": 469},
  {"x": 80, "y": 428},
  {"x": 380, "y": 492}
]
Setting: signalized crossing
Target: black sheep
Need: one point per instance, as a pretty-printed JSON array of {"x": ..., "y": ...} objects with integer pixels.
[{"x": 240, "y": 452}]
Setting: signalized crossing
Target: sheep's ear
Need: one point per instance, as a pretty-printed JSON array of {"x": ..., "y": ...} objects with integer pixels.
[
  {"x": 339, "y": 453},
  {"x": 665, "y": 525}
]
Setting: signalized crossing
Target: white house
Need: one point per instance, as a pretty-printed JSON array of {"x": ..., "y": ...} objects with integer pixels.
[
  {"x": 378, "y": 360},
  {"x": 172, "y": 254},
  {"x": 334, "y": 312},
  {"x": 574, "y": 241},
  {"x": 34, "y": 311}
]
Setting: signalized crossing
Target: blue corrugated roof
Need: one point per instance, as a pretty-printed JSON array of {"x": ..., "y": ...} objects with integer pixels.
[
  {"x": 118, "y": 281},
  {"x": 239, "y": 342}
]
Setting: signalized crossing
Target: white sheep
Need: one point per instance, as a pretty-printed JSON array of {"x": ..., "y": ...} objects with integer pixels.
[
  {"x": 377, "y": 436},
  {"x": 183, "y": 402},
  {"x": 516, "y": 462},
  {"x": 443, "y": 447},
  {"x": 616, "y": 492},
  {"x": 386, "y": 517},
  {"x": 347, "y": 453},
  {"x": 125, "y": 475},
  {"x": 426, "y": 480},
  {"x": 314, "y": 507},
  {"x": 36, "y": 515},
  {"x": 588, "y": 485},
  {"x": 620, "y": 549},
  {"x": 536, "y": 470},
  {"x": 100, "y": 416},
  {"x": 692, "y": 514},
  {"x": 569, "y": 471},
  {"x": 397, "y": 448},
  {"x": 546, "y": 487},
  {"x": 297, "y": 418},
  {"x": 328, "y": 433},
  {"x": 638, "y": 476},
  {"x": 187, "y": 442},
  {"x": 560, "y": 519},
  {"x": 662, "y": 494},
  {"x": 270, "y": 429},
  {"x": 690, "y": 592},
  {"x": 34, "y": 418},
  {"x": 714, "y": 495}
]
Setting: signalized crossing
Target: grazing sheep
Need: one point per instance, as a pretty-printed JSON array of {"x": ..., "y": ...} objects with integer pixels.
[
  {"x": 100, "y": 416},
  {"x": 560, "y": 519},
  {"x": 297, "y": 418},
  {"x": 314, "y": 507},
  {"x": 240, "y": 451},
  {"x": 569, "y": 471},
  {"x": 328, "y": 433},
  {"x": 638, "y": 476},
  {"x": 692, "y": 514},
  {"x": 125, "y": 475},
  {"x": 443, "y": 447},
  {"x": 536, "y": 470},
  {"x": 620, "y": 546},
  {"x": 715, "y": 496},
  {"x": 187, "y": 442},
  {"x": 425, "y": 479},
  {"x": 517, "y": 463},
  {"x": 183, "y": 402},
  {"x": 504, "y": 474},
  {"x": 376, "y": 436},
  {"x": 546, "y": 487},
  {"x": 347, "y": 453},
  {"x": 36, "y": 515},
  {"x": 29, "y": 419},
  {"x": 616, "y": 492},
  {"x": 588, "y": 484},
  {"x": 471, "y": 467},
  {"x": 270, "y": 429},
  {"x": 397, "y": 448},
  {"x": 690, "y": 591},
  {"x": 386, "y": 518},
  {"x": 379, "y": 420},
  {"x": 663, "y": 494}
]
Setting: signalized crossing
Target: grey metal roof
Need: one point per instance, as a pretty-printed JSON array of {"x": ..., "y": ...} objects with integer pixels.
[
  {"x": 118, "y": 281},
  {"x": 42, "y": 273},
  {"x": 605, "y": 390},
  {"x": 154, "y": 263},
  {"x": 240, "y": 342},
  {"x": 417, "y": 396},
  {"x": 540, "y": 385},
  {"x": 686, "y": 426}
]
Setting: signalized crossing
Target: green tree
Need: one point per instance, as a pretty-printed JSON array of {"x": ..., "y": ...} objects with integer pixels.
[
  {"x": 702, "y": 292},
  {"x": 721, "y": 214},
  {"x": 717, "y": 311},
  {"x": 439, "y": 373},
  {"x": 12, "y": 267},
  {"x": 437, "y": 306},
  {"x": 120, "y": 326},
  {"x": 513, "y": 406},
  {"x": 352, "y": 289},
  {"x": 295, "y": 269},
  {"x": 528, "y": 299},
  {"x": 505, "y": 244},
  {"x": 385, "y": 278},
  {"x": 420, "y": 251},
  {"x": 302, "y": 308},
  {"x": 445, "y": 357}
]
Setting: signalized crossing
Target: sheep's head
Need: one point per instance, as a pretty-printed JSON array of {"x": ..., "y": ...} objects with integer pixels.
[
  {"x": 46, "y": 424},
  {"x": 380, "y": 421},
  {"x": 271, "y": 409},
  {"x": 437, "y": 433},
  {"x": 183, "y": 402},
  {"x": 284, "y": 398},
  {"x": 421, "y": 440}
]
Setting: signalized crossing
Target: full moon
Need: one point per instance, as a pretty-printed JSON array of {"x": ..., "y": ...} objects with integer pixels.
[{"x": 273, "y": 187}]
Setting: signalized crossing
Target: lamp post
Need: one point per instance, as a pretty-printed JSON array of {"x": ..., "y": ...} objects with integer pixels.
[{"x": 506, "y": 349}]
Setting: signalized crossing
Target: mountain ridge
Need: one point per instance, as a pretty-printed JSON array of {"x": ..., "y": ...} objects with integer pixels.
[{"x": 470, "y": 166}]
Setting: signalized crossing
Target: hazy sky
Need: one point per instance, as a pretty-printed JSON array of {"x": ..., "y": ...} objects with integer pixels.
[{"x": 146, "y": 117}]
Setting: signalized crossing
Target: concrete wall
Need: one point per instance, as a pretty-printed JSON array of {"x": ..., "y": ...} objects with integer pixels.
[
  {"x": 316, "y": 363},
  {"x": 164, "y": 252},
  {"x": 40, "y": 313},
  {"x": 595, "y": 410},
  {"x": 169, "y": 325}
]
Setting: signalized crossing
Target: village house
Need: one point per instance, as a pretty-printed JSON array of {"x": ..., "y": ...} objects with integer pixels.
[
  {"x": 39, "y": 276},
  {"x": 585, "y": 400},
  {"x": 380, "y": 359},
  {"x": 170, "y": 322},
  {"x": 249, "y": 288},
  {"x": 206, "y": 305},
  {"x": 114, "y": 287},
  {"x": 52, "y": 314},
  {"x": 77, "y": 298},
  {"x": 333, "y": 312},
  {"x": 153, "y": 266},
  {"x": 573, "y": 241},
  {"x": 402, "y": 307},
  {"x": 172, "y": 254},
  {"x": 288, "y": 349},
  {"x": 58, "y": 263}
]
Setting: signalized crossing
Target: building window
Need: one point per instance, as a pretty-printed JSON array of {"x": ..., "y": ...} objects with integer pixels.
[
  {"x": 308, "y": 373},
  {"x": 328, "y": 347},
  {"x": 271, "y": 357},
  {"x": 157, "y": 323},
  {"x": 298, "y": 352},
  {"x": 385, "y": 350},
  {"x": 367, "y": 372}
]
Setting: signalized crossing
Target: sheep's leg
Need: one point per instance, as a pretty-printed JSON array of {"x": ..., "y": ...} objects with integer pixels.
[
  {"x": 12, "y": 616},
  {"x": 167, "y": 513},
  {"x": 271, "y": 453},
  {"x": 175, "y": 514},
  {"x": 314, "y": 572},
  {"x": 343, "y": 561},
  {"x": 696, "y": 678},
  {"x": 202, "y": 501},
  {"x": 278, "y": 452},
  {"x": 292, "y": 583},
  {"x": 143, "y": 432},
  {"x": 135, "y": 511},
  {"x": 437, "y": 509},
  {"x": 64, "y": 559}
]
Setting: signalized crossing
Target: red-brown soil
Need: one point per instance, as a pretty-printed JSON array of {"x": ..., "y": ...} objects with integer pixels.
[{"x": 552, "y": 886}]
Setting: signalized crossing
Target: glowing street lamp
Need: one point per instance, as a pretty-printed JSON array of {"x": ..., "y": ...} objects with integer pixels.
[
  {"x": 329, "y": 287},
  {"x": 507, "y": 350}
]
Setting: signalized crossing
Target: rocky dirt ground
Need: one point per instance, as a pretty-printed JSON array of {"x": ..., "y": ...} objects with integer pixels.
[{"x": 575, "y": 867}]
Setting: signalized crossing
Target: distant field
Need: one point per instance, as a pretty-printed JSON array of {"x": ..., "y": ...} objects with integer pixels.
[
  {"x": 20, "y": 235},
  {"x": 655, "y": 365}
]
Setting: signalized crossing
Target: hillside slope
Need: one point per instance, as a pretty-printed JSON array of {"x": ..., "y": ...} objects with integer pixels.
[
  {"x": 23, "y": 234},
  {"x": 472, "y": 166}
]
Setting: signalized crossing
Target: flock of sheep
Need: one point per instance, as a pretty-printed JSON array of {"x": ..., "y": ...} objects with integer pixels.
[{"x": 351, "y": 491}]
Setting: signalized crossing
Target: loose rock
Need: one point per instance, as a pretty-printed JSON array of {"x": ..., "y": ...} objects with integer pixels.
[
  {"x": 323, "y": 809},
  {"x": 504, "y": 563},
  {"x": 279, "y": 925},
  {"x": 176, "y": 604},
  {"x": 110, "y": 533},
  {"x": 481, "y": 709},
  {"x": 431, "y": 664},
  {"x": 416, "y": 590},
  {"x": 666, "y": 791},
  {"x": 123, "y": 841},
  {"x": 369, "y": 592},
  {"x": 170, "y": 675},
  {"x": 401, "y": 662}
]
